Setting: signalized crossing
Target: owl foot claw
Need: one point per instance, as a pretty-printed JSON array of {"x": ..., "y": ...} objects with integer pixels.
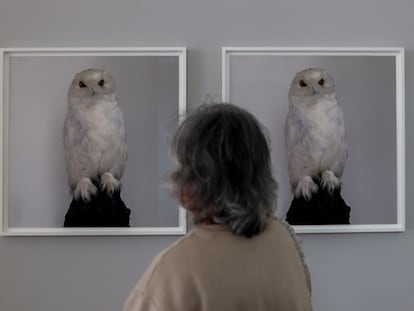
[
  {"x": 109, "y": 183},
  {"x": 329, "y": 181},
  {"x": 84, "y": 189},
  {"x": 305, "y": 188}
]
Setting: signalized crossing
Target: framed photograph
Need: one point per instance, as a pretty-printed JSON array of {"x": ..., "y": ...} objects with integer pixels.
[
  {"x": 150, "y": 88},
  {"x": 369, "y": 85}
]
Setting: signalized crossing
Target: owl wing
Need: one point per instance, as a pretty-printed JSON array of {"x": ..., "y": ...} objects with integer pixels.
[
  {"x": 79, "y": 161},
  {"x": 339, "y": 150},
  {"x": 115, "y": 150},
  {"x": 295, "y": 132},
  {"x": 298, "y": 147}
]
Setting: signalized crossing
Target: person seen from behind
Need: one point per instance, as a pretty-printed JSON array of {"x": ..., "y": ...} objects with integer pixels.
[{"x": 238, "y": 256}]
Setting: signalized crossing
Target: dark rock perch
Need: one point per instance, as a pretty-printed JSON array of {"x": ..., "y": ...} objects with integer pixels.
[
  {"x": 323, "y": 208},
  {"x": 101, "y": 211}
]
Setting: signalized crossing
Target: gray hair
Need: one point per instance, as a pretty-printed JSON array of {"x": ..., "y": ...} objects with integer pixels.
[{"x": 224, "y": 167}]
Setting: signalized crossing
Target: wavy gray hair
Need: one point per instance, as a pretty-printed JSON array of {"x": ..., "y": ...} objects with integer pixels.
[{"x": 224, "y": 168}]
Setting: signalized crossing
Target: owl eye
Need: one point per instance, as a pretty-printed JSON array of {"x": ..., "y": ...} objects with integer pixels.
[
  {"x": 101, "y": 82},
  {"x": 81, "y": 84},
  {"x": 321, "y": 82},
  {"x": 302, "y": 83}
]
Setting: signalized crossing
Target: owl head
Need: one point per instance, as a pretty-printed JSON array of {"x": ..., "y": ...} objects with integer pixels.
[
  {"x": 312, "y": 82},
  {"x": 92, "y": 82}
]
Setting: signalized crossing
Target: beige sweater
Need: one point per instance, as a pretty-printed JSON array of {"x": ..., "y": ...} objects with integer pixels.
[{"x": 211, "y": 269}]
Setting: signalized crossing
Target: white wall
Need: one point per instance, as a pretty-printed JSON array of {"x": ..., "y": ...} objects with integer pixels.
[{"x": 350, "y": 271}]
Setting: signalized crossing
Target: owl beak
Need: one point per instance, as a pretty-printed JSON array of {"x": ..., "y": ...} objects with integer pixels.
[
  {"x": 92, "y": 91},
  {"x": 314, "y": 91}
]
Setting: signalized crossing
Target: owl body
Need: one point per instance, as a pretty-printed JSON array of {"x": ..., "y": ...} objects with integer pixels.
[
  {"x": 314, "y": 133},
  {"x": 94, "y": 135}
]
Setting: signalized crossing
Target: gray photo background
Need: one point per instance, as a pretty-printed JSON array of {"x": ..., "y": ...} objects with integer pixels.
[
  {"x": 147, "y": 91},
  {"x": 366, "y": 91}
]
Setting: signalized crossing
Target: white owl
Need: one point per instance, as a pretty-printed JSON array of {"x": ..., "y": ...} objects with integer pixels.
[
  {"x": 314, "y": 133},
  {"x": 94, "y": 135}
]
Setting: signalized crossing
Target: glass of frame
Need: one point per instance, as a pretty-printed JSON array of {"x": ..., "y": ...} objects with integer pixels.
[
  {"x": 370, "y": 91},
  {"x": 151, "y": 91}
]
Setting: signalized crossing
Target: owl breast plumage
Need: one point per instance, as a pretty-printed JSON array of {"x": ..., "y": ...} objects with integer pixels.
[
  {"x": 314, "y": 134},
  {"x": 94, "y": 135}
]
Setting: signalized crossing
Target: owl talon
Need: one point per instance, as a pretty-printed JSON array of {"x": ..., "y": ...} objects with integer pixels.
[
  {"x": 305, "y": 188},
  {"x": 109, "y": 183},
  {"x": 84, "y": 189},
  {"x": 329, "y": 181}
]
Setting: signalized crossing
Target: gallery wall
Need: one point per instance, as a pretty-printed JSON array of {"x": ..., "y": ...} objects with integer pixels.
[{"x": 369, "y": 271}]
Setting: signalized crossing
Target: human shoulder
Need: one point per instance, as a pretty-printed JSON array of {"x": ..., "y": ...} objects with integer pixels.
[
  {"x": 165, "y": 275},
  {"x": 166, "y": 259},
  {"x": 290, "y": 230}
]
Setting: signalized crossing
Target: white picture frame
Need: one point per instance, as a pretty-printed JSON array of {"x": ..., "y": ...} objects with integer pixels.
[
  {"x": 171, "y": 64},
  {"x": 247, "y": 73}
]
